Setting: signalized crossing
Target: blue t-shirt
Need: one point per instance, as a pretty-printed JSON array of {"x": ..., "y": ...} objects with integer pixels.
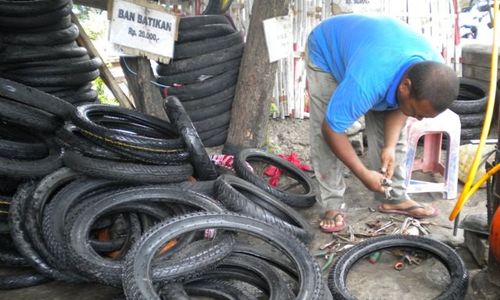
[{"x": 368, "y": 56}]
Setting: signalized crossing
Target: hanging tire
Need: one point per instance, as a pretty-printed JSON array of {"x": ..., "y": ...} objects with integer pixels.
[
  {"x": 204, "y": 32},
  {"x": 337, "y": 279}
]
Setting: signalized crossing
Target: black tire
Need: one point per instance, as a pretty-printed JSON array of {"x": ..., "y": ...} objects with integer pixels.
[
  {"x": 472, "y": 97},
  {"x": 132, "y": 154},
  {"x": 231, "y": 192},
  {"x": 211, "y": 111},
  {"x": 471, "y": 120},
  {"x": 198, "y": 74},
  {"x": 190, "y": 22},
  {"x": 36, "y": 20},
  {"x": 29, "y": 7},
  {"x": 18, "y": 234},
  {"x": 44, "y": 63},
  {"x": 471, "y": 133},
  {"x": 202, "y": 61},
  {"x": 204, "y": 32},
  {"x": 191, "y": 49},
  {"x": 216, "y": 140},
  {"x": 10, "y": 258},
  {"x": 204, "y": 88},
  {"x": 270, "y": 255},
  {"x": 29, "y": 240},
  {"x": 70, "y": 137},
  {"x": 69, "y": 79},
  {"x": 125, "y": 171},
  {"x": 449, "y": 257},
  {"x": 29, "y": 278},
  {"x": 272, "y": 283},
  {"x": 61, "y": 36},
  {"x": 76, "y": 67},
  {"x": 203, "y": 166},
  {"x": 84, "y": 215},
  {"x": 216, "y": 290},
  {"x": 54, "y": 215},
  {"x": 82, "y": 119},
  {"x": 213, "y": 132},
  {"x": 35, "y": 98},
  {"x": 27, "y": 116},
  {"x": 16, "y": 168},
  {"x": 21, "y": 146},
  {"x": 210, "y": 100},
  {"x": 214, "y": 122},
  {"x": 137, "y": 280},
  {"x": 84, "y": 97},
  {"x": 21, "y": 54},
  {"x": 307, "y": 199}
]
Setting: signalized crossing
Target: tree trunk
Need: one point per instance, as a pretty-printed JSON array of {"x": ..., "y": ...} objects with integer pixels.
[
  {"x": 139, "y": 75},
  {"x": 251, "y": 106}
]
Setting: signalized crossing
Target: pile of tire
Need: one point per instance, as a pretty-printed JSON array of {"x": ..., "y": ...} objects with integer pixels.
[
  {"x": 38, "y": 48},
  {"x": 83, "y": 223},
  {"x": 471, "y": 107},
  {"x": 203, "y": 73}
]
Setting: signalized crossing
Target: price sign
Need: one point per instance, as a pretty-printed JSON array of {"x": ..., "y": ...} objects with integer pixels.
[{"x": 141, "y": 28}]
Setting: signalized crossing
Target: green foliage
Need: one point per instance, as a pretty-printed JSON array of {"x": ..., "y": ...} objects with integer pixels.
[{"x": 101, "y": 89}]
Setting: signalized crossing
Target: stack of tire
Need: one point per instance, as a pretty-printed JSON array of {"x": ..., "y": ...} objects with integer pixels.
[
  {"x": 470, "y": 106},
  {"x": 204, "y": 72},
  {"x": 38, "y": 48}
]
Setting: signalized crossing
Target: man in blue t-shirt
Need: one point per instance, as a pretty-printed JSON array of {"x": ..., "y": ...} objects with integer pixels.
[{"x": 379, "y": 68}]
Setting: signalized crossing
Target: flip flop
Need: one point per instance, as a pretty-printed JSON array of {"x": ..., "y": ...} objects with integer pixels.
[
  {"x": 407, "y": 211},
  {"x": 330, "y": 229}
]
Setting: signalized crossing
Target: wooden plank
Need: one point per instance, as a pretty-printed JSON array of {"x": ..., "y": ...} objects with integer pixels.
[
  {"x": 251, "y": 106},
  {"x": 140, "y": 80},
  {"x": 105, "y": 73}
]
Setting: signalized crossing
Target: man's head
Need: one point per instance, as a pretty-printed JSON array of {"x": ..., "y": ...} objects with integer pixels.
[{"x": 427, "y": 89}]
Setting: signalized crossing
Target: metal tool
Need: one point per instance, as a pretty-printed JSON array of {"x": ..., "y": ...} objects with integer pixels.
[
  {"x": 388, "y": 190},
  {"x": 383, "y": 227}
]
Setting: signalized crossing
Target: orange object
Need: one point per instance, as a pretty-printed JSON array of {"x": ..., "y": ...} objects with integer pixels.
[
  {"x": 103, "y": 235},
  {"x": 495, "y": 235},
  {"x": 168, "y": 246}
]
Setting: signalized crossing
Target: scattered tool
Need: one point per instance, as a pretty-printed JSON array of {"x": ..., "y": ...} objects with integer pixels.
[{"x": 384, "y": 226}]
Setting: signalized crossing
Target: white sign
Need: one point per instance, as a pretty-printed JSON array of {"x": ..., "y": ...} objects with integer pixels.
[
  {"x": 278, "y": 33},
  {"x": 143, "y": 29}
]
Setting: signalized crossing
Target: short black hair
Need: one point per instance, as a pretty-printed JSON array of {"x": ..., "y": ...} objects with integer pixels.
[{"x": 435, "y": 82}]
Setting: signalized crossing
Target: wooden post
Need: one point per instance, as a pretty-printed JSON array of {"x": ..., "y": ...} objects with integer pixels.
[
  {"x": 140, "y": 78},
  {"x": 104, "y": 71},
  {"x": 251, "y": 106}
]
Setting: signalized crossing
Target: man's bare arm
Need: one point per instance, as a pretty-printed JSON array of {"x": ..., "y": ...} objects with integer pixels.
[{"x": 342, "y": 148}]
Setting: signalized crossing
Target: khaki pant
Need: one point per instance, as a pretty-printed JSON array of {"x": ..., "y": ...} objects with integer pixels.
[{"x": 327, "y": 167}]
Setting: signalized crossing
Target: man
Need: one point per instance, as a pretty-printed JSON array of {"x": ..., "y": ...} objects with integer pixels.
[{"x": 378, "y": 67}]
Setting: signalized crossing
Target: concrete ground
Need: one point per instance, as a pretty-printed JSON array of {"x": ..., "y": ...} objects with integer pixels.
[{"x": 366, "y": 281}]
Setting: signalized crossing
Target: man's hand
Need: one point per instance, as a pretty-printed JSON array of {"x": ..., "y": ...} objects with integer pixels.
[
  {"x": 373, "y": 180},
  {"x": 387, "y": 161}
]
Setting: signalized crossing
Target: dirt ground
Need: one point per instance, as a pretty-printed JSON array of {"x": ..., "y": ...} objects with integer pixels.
[
  {"x": 381, "y": 281},
  {"x": 366, "y": 281}
]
